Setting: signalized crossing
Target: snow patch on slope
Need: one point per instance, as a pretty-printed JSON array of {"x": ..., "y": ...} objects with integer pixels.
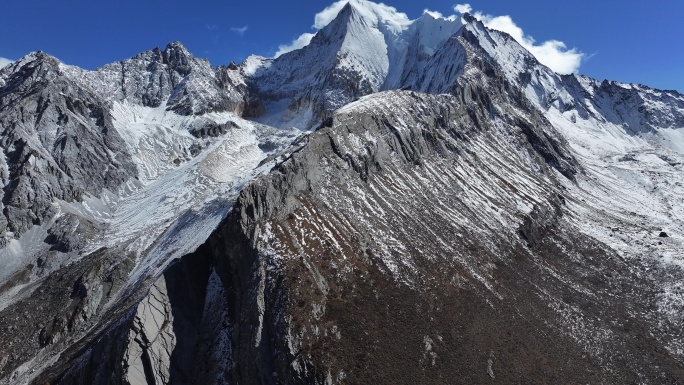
[{"x": 633, "y": 188}]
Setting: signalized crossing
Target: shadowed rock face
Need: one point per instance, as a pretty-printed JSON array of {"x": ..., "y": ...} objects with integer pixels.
[
  {"x": 48, "y": 315},
  {"x": 157, "y": 341},
  {"x": 59, "y": 143}
]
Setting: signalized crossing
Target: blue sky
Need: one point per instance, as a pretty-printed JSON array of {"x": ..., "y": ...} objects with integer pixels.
[{"x": 621, "y": 40}]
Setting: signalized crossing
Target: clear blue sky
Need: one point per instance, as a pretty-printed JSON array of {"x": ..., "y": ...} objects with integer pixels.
[{"x": 640, "y": 42}]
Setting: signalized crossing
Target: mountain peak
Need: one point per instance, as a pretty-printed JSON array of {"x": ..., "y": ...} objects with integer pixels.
[
  {"x": 348, "y": 7},
  {"x": 37, "y": 56},
  {"x": 178, "y": 57},
  {"x": 468, "y": 18},
  {"x": 382, "y": 15},
  {"x": 176, "y": 46}
]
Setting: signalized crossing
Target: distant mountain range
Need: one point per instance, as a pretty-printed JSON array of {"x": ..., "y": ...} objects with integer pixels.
[{"x": 397, "y": 202}]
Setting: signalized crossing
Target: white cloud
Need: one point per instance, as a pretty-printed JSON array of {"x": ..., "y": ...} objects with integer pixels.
[
  {"x": 434, "y": 14},
  {"x": 586, "y": 58},
  {"x": 552, "y": 53},
  {"x": 438, "y": 15},
  {"x": 5, "y": 61},
  {"x": 239, "y": 30},
  {"x": 327, "y": 15},
  {"x": 302, "y": 41},
  {"x": 321, "y": 19},
  {"x": 394, "y": 20},
  {"x": 463, "y": 8}
]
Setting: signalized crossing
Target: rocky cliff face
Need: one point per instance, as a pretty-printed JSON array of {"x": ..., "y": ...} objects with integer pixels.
[
  {"x": 58, "y": 143},
  {"x": 460, "y": 214}
]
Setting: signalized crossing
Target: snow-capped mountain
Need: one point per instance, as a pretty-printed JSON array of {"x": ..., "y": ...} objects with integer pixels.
[
  {"x": 364, "y": 50},
  {"x": 400, "y": 201},
  {"x": 173, "y": 77}
]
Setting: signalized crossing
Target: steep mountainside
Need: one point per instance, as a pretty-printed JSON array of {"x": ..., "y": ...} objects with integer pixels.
[
  {"x": 397, "y": 249},
  {"x": 397, "y": 202}
]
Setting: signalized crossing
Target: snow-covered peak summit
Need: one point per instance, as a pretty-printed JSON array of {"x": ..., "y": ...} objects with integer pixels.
[
  {"x": 386, "y": 17},
  {"x": 28, "y": 58},
  {"x": 433, "y": 30},
  {"x": 361, "y": 48},
  {"x": 396, "y": 27},
  {"x": 178, "y": 47},
  {"x": 348, "y": 58},
  {"x": 156, "y": 77},
  {"x": 34, "y": 68},
  {"x": 34, "y": 60}
]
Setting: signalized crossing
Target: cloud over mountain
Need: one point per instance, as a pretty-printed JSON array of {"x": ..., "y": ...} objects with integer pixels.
[
  {"x": 552, "y": 53},
  {"x": 5, "y": 61}
]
